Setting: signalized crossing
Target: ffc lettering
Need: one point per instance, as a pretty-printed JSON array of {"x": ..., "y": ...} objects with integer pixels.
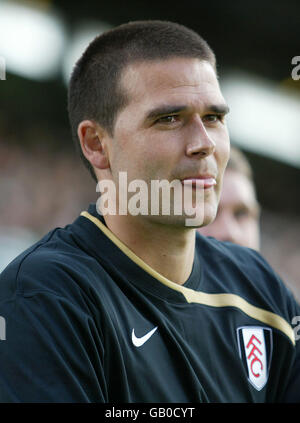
[
  {"x": 253, "y": 353},
  {"x": 255, "y": 347}
]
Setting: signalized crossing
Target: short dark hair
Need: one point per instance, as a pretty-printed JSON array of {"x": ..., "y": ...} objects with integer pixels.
[{"x": 94, "y": 89}]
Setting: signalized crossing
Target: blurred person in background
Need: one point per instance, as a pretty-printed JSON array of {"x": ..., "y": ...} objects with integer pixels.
[{"x": 238, "y": 213}]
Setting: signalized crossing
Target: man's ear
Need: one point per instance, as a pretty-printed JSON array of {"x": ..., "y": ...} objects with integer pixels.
[{"x": 93, "y": 143}]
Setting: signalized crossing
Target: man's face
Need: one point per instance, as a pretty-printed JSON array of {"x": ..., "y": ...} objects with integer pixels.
[
  {"x": 172, "y": 128},
  {"x": 238, "y": 213}
]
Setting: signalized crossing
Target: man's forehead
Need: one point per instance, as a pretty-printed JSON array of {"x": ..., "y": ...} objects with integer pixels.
[
  {"x": 177, "y": 71},
  {"x": 171, "y": 77}
]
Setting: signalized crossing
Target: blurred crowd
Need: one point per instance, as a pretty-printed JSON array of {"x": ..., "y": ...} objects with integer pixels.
[{"x": 42, "y": 189}]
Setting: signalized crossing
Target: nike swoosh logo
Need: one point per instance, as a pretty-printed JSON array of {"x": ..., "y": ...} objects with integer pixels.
[{"x": 138, "y": 342}]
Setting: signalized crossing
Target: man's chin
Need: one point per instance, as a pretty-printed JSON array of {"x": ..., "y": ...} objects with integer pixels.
[
  {"x": 193, "y": 218},
  {"x": 201, "y": 217},
  {"x": 197, "y": 222}
]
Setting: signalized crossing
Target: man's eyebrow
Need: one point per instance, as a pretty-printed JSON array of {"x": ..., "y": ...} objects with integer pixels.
[
  {"x": 221, "y": 109},
  {"x": 164, "y": 110}
]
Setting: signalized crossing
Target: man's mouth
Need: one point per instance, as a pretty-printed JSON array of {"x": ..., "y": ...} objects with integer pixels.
[{"x": 200, "y": 182}]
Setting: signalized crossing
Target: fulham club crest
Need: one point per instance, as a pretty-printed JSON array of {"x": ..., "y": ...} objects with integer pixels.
[{"x": 255, "y": 347}]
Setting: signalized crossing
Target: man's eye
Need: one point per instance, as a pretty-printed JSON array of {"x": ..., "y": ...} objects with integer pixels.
[
  {"x": 213, "y": 118},
  {"x": 168, "y": 119}
]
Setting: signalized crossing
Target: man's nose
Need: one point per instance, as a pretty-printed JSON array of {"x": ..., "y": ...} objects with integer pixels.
[{"x": 200, "y": 143}]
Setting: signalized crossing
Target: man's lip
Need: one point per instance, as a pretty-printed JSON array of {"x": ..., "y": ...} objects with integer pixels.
[{"x": 203, "y": 181}]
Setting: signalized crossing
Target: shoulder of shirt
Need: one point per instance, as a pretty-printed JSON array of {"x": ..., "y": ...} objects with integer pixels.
[
  {"x": 246, "y": 273},
  {"x": 54, "y": 264},
  {"x": 227, "y": 252}
]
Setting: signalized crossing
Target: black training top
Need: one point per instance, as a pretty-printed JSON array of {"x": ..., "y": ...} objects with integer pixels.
[{"x": 86, "y": 320}]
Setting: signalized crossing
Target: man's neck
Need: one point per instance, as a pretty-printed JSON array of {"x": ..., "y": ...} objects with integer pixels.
[{"x": 169, "y": 250}]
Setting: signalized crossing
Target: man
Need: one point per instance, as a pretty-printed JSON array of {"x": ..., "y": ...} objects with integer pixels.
[
  {"x": 238, "y": 213},
  {"x": 128, "y": 307}
]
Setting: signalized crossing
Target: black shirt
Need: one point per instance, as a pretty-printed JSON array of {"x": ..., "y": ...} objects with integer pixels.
[{"x": 88, "y": 321}]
